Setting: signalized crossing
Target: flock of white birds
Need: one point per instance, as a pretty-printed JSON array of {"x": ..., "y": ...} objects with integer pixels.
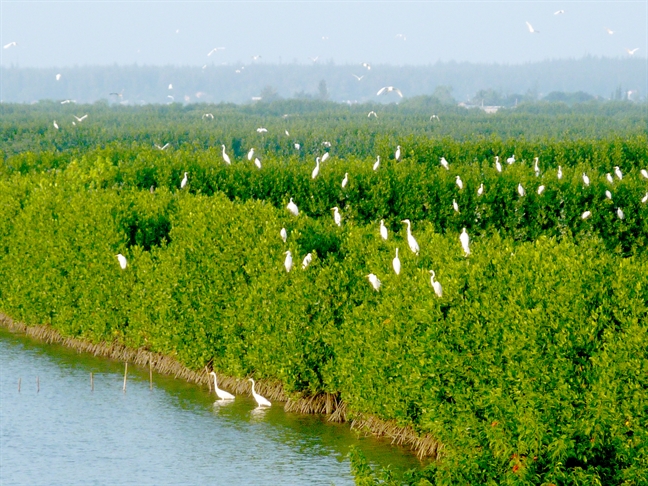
[{"x": 225, "y": 397}]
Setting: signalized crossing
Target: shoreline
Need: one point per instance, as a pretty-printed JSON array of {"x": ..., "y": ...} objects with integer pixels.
[{"x": 425, "y": 447}]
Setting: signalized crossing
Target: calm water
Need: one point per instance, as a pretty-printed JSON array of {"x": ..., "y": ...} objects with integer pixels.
[{"x": 66, "y": 434}]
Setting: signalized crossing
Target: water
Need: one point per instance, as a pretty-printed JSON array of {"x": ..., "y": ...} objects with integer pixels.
[{"x": 67, "y": 434}]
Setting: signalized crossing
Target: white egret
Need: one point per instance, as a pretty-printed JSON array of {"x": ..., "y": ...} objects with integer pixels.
[
  {"x": 376, "y": 163},
  {"x": 609, "y": 178},
  {"x": 170, "y": 86},
  {"x": 11, "y": 44},
  {"x": 56, "y": 125},
  {"x": 287, "y": 133},
  {"x": 163, "y": 147},
  {"x": 465, "y": 241},
  {"x": 455, "y": 206},
  {"x": 222, "y": 394},
  {"x": 644, "y": 173},
  {"x": 326, "y": 143},
  {"x": 586, "y": 214},
  {"x": 359, "y": 78},
  {"x": 307, "y": 260},
  {"x": 511, "y": 160},
  {"x": 225, "y": 156},
  {"x": 208, "y": 116},
  {"x": 531, "y": 29},
  {"x": 250, "y": 154},
  {"x": 65, "y": 102},
  {"x": 288, "y": 262},
  {"x": 123, "y": 263},
  {"x": 559, "y": 174},
  {"x": 262, "y": 130},
  {"x": 436, "y": 285},
  {"x": 541, "y": 189},
  {"x": 609, "y": 31},
  {"x": 632, "y": 51},
  {"x": 345, "y": 181},
  {"x": 325, "y": 156},
  {"x": 297, "y": 146},
  {"x": 645, "y": 198},
  {"x": 389, "y": 89},
  {"x": 366, "y": 65},
  {"x": 292, "y": 207},
  {"x": 284, "y": 234},
  {"x": 396, "y": 263},
  {"x": 617, "y": 172},
  {"x": 373, "y": 280},
  {"x": 444, "y": 163},
  {"x": 58, "y": 76},
  {"x": 608, "y": 194},
  {"x": 383, "y": 230},
  {"x": 411, "y": 241},
  {"x": 586, "y": 179},
  {"x": 184, "y": 181},
  {"x": 397, "y": 155},
  {"x": 620, "y": 213},
  {"x": 261, "y": 401},
  {"x": 215, "y": 49},
  {"x": 521, "y": 190},
  {"x": 257, "y": 162},
  {"x": 82, "y": 118},
  {"x": 372, "y": 113},
  {"x": 435, "y": 117},
  {"x": 559, "y": 12},
  {"x": 536, "y": 169},
  {"x": 337, "y": 217},
  {"x": 480, "y": 191},
  {"x": 459, "y": 182},
  {"x": 316, "y": 169},
  {"x": 498, "y": 166}
]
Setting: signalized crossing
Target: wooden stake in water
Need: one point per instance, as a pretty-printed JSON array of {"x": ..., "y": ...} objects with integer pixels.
[
  {"x": 125, "y": 375},
  {"x": 150, "y": 375},
  {"x": 19, "y": 380},
  {"x": 37, "y": 384},
  {"x": 91, "y": 381}
]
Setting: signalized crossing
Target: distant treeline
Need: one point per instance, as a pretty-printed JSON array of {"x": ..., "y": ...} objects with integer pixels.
[{"x": 452, "y": 82}]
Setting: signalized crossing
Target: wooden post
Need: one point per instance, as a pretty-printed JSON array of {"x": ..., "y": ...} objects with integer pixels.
[
  {"x": 125, "y": 375},
  {"x": 91, "y": 381},
  {"x": 19, "y": 380},
  {"x": 150, "y": 374},
  {"x": 37, "y": 384}
]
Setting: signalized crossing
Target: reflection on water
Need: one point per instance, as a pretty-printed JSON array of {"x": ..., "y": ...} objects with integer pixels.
[{"x": 174, "y": 434}]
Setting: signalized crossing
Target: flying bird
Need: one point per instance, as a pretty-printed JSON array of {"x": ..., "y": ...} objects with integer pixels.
[
  {"x": 559, "y": 12},
  {"x": 372, "y": 113},
  {"x": 215, "y": 49},
  {"x": 366, "y": 65},
  {"x": 401, "y": 36},
  {"x": 632, "y": 51},
  {"x": 58, "y": 76},
  {"x": 359, "y": 78},
  {"x": 389, "y": 89},
  {"x": 531, "y": 29},
  {"x": 609, "y": 31},
  {"x": 11, "y": 44},
  {"x": 208, "y": 115},
  {"x": 80, "y": 119},
  {"x": 262, "y": 130},
  {"x": 163, "y": 147},
  {"x": 56, "y": 125},
  {"x": 373, "y": 280}
]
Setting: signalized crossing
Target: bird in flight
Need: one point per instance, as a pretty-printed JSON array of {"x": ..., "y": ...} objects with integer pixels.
[
  {"x": 65, "y": 102},
  {"x": 531, "y": 29},
  {"x": 389, "y": 89},
  {"x": 80, "y": 119},
  {"x": 401, "y": 36},
  {"x": 314, "y": 59},
  {"x": 372, "y": 113},
  {"x": 359, "y": 78},
  {"x": 215, "y": 49},
  {"x": 559, "y": 12},
  {"x": 163, "y": 147},
  {"x": 366, "y": 65},
  {"x": 609, "y": 31},
  {"x": 256, "y": 57},
  {"x": 632, "y": 51},
  {"x": 58, "y": 76},
  {"x": 11, "y": 44}
]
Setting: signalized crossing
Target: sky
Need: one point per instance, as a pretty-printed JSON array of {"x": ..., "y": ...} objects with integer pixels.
[{"x": 52, "y": 33}]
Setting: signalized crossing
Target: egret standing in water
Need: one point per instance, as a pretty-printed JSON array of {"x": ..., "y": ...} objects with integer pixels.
[
  {"x": 292, "y": 207},
  {"x": 373, "y": 280},
  {"x": 226, "y": 157},
  {"x": 465, "y": 241},
  {"x": 261, "y": 401},
  {"x": 383, "y": 230},
  {"x": 411, "y": 241},
  {"x": 436, "y": 285},
  {"x": 222, "y": 394},
  {"x": 396, "y": 263},
  {"x": 123, "y": 263},
  {"x": 288, "y": 263}
]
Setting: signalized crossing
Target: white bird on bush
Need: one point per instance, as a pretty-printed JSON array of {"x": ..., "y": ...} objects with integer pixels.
[
  {"x": 345, "y": 181},
  {"x": 459, "y": 182},
  {"x": 297, "y": 146},
  {"x": 436, "y": 285},
  {"x": 383, "y": 230},
  {"x": 257, "y": 162},
  {"x": 56, "y": 125},
  {"x": 292, "y": 207},
  {"x": 288, "y": 262},
  {"x": 617, "y": 172},
  {"x": 536, "y": 169},
  {"x": 541, "y": 189},
  {"x": 498, "y": 166},
  {"x": 465, "y": 241},
  {"x": 586, "y": 179},
  {"x": 644, "y": 173},
  {"x": 645, "y": 198},
  {"x": 480, "y": 191},
  {"x": 396, "y": 263},
  {"x": 376, "y": 163},
  {"x": 316, "y": 169},
  {"x": 284, "y": 234},
  {"x": 262, "y": 130},
  {"x": 261, "y": 401},
  {"x": 620, "y": 213},
  {"x": 511, "y": 160},
  {"x": 411, "y": 241},
  {"x": 444, "y": 163},
  {"x": 608, "y": 176},
  {"x": 608, "y": 194},
  {"x": 455, "y": 206},
  {"x": 397, "y": 155},
  {"x": 586, "y": 214},
  {"x": 337, "y": 217},
  {"x": 306, "y": 261},
  {"x": 250, "y": 154},
  {"x": 521, "y": 190},
  {"x": 222, "y": 394},
  {"x": 559, "y": 172},
  {"x": 184, "y": 181},
  {"x": 325, "y": 156},
  {"x": 225, "y": 156},
  {"x": 373, "y": 280},
  {"x": 123, "y": 263}
]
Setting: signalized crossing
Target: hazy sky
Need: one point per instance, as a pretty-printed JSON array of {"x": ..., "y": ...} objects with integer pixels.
[{"x": 51, "y": 33}]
